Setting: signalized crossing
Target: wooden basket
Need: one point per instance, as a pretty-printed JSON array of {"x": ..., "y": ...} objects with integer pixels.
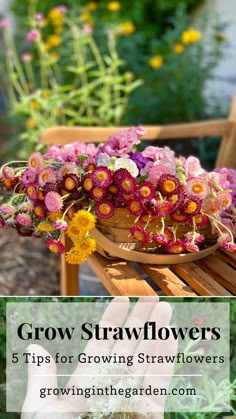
[{"x": 115, "y": 241}]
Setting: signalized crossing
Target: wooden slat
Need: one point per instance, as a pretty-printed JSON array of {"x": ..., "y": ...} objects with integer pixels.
[
  {"x": 65, "y": 135},
  {"x": 227, "y": 257},
  {"x": 199, "y": 280},
  {"x": 167, "y": 281},
  {"x": 119, "y": 277},
  {"x": 222, "y": 273}
]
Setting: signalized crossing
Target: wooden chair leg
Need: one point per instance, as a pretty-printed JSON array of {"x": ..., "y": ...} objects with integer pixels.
[{"x": 69, "y": 274}]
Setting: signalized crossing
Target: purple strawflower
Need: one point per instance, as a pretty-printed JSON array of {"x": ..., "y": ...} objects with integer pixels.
[{"x": 139, "y": 159}]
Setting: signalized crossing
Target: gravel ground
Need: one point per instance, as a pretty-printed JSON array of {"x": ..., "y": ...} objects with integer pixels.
[{"x": 26, "y": 266}]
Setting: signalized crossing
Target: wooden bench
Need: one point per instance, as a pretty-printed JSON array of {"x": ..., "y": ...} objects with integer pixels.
[{"x": 214, "y": 275}]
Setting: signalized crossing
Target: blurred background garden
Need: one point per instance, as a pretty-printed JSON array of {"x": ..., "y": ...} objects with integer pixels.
[{"x": 106, "y": 63}]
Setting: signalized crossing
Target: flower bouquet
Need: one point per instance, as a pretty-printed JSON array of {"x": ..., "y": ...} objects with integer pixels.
[{"x": 149, "y": 201}]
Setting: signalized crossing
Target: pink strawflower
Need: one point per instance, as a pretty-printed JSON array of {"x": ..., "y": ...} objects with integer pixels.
[
  {"x": 159, "y": 153},
  {"x": 160, "y": 239},
  {"x": 32, "y": 191},
  {"x": 192, "y": 205},
  {"x": 102, "y": 176},
  {"x": 176, "y": 247},
  {"x": 87, "y": 29},
  {"x": 69, "y": 152},
  {"x": 28, "y": 176},
  {"x": 55, "y": 246},
  {"x": 24, "y": 219},
  {"x": 223, "y": 239},
  {"x": 70, "y": 182},
  {"x": 36, "y": 162},
  {"x": 104, "y": 209},
  {"x": 224, "y": 199},
  {"x": 163, "y": 208},
  {"x": 193, "y": 236},
  {"x": 191, "y": 247},
  {"x": 40, "y": 210},
  {"x": 177, "y": 198},
  {"x": 47, "y": 175},
  {"x": 33, "y": 35},
  {"x": 97, "y": 193},
  {"x": 53, "y": 202},
  {"x": 26, "y": 56},
  {"x": 118, "y": 175},
  {"x": 193, "y": 167},
  {"x": 60, "y": 225},
  {"x": 26, "y": 206},
  {"x": 66, "y": 169},
  {"x": 135, "y": 207},
  {"x": 139, "y": 234},
  {"x": 145, "y": 191},
  {"x": 122, "y": 143},
  {"x": 168, "y": 184},
  {"x": 158, "y": 169},
  {"x": 62, "y": 8},
  {"x": 4, "y": 23},
  {"x": 8, "y": 172},
  {"x": 197, "y": 187},
  {"x": 39, "y": 16},
  {"x": 7, "y": 209},
  {"x": 230, "y": 247},
  {"x": 127, "y": 184}
]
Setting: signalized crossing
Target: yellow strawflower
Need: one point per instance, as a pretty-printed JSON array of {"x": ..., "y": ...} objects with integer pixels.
[
  {"x": 45, "y": 226},
  {"x": 86, "y": 246},
  {"x": 30, "y": 123},
  {"x": 74, "y": 231},
  {"x": 114, "y": 6},
  {"x": 34, "y": 104},
  {"x": 178, "y": 48},
  {"x": 191, "y": 36},
  {"x": 156, "y": 62},
  {"x": 91, "y": 6},
  {"x": 53, "y": 41},
  {"x": 85, "y": 220},
  {"x": 126, "y": 28},
  {"x": 74, "y": 257}
]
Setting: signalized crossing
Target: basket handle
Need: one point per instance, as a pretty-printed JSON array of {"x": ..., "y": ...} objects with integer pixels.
[{"x": 149, "y": 258}]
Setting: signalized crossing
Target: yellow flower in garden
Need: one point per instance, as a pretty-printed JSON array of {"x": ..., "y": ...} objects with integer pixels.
[
  {"x": 178, "y": 48},
  {"x": 54, "y": 56},
  {"x": 34, "y": 104},
  {"x": 46, "y": 46},
  {"x": 126, "y": 28},
  {"x": 30, "y": 123},
  {"x": 56, "y": 17},
  {"x": 91, "y": 6},
  {"x": 74, "y": 257},
  {"x": 113, "y": 6},
  {"x": 54, "y": 41},
  {"x": 85, "y": 220},
  {"x": 58, "y": 30},
  {"x": 191, "y": 36},
  {"x": 45, "y": 94},
  {"x": 86, "y": 246},
  {"x": 86, "y": 17},
  {"x": 156, "y": 62},
  {"x": 45, "y": 226}
]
